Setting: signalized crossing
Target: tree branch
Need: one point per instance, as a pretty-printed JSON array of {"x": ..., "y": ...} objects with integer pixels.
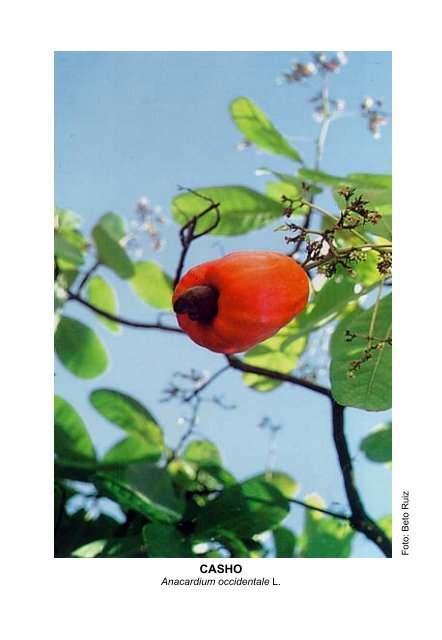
[
  {"x": 119, "y": 319},
  {"x": 187, "y": 232},
  {"x": 87, "y": 275},
  {"x": 206, "y": 383},
  {"x": 240, "y": 365},
  {"x": 359, "y": 518}
]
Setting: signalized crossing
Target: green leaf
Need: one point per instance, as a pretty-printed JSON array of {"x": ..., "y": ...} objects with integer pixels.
[
  {"x": 80, "y": 349},
  {"x": 370, "y": 388},
  {"x": 271, "y": 354},
  {"x": 383, "y": 228},
  {"x": 112, "y": 254},
  {"x": 377, "y": 445},
  {"x": 69, "y": 254},
  {"x": 245, "y": 509},
  {"x": 65, "y": 219},
  {"x": 165, "y": 541},
  {"x": 132, "y": 449},
  {"x": 295, "y": 181},
  {"x": 386, "y": 525},
  {"x": 79, "y": 529},
  {"x": 333, "y": 298},
  {"x": 324, "y": 537},
  {"x": 114, "y": 225},
  {"x": 111, "y": 548},
  {"x": 374, "y": 187},
  {"x": 156, "y": 483},
  {"x": 258, "y": 129},
  {"x": 276, "y": 191},
  {"x": 321, "y": 177},
  {"x": 152, "y": 285},
  {"x": 282, "y": 481},
  {"x": 202, "y": 453},
  {"x": 72, "y": 441},
  {"x": 285, "y": 542},
  {"x": 102, "y": 295},
  {"x": 205, "y": 459},
  {"x": 154, "y": 502},
  {"x": 235, "y": 546},
  {"x": 130, "y": 415},
  {"x": 377, "y": 189},
  {"x": 242, "y": 210},
  {"x": 90, "y": 549}
]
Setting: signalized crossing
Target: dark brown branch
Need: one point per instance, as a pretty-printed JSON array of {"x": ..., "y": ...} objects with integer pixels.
[
  {"x": 240, "y": 365},
  {"x": 359, "y": 518},
  {"x": 87, "y": 275},
  {"x": 188, "y": 235},
  {"x": 119, "y": 319}
]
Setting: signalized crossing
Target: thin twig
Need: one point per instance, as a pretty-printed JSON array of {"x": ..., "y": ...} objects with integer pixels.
[
  {"x": 87, "y": 275},
  {"x": 187, "y": 232},
  {"x": 119, "y": 319},
  {"x": 186, "y": 435},
  {"x": 340, "y": 516},
  {"x": 206, "y": 383}
]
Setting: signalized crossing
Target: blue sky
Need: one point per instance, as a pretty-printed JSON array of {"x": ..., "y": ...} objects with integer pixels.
[{"x": 141, "y": 123}]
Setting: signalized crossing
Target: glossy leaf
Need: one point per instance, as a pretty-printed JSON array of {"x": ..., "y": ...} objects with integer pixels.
[
  {"x": 333, "y": 299},
  {"x": 377, "y": 445},
  {"x": 130, "y": 415},
  {"x": 153, "y": 285},
  {"x": 68, "y": 255},
  {"x": 384, "y": 227},
  {"x": 321, "y": 177},
  {"x": 377, "y": 189},
  {"x": 157, "y": 484},
  {"x": 323, "y": 536},
  {"x": 293, "y": 180},
  {"x": 245, "y": 509},
  {"x": 370, "y": 388},
  {"x": 150, "y": 504},
  {"x": 202, "y": 453},
  {"x": 257, "y": 129},
  {"x": 65, "y": 219},
  {"x": 130, "y": 547},
  {"x": 235, "y": 546},
  {"x": 282, "y": 481},
  {"x": 102, "y": 296},
  {"x": 374, "y": 187},
  {"x": 134, "y": 448},
  {"x": 80, "y": 529},
  {"x": 80, "y": 349},
  {"x": 72, "y": 440},
  {"x": 285, "y": 542},
  {"x": 111, "y": 253},
  {"x": 277, "y": 190},
  {"x": 275, "y": 353},
  {"x": 242, "y": 210},
  {"x": 114, "y": 225},
  {"x": 165, "y": 541}
]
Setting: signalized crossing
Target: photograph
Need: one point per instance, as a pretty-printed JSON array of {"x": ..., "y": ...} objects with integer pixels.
[{"x": 223, "y": 305}]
